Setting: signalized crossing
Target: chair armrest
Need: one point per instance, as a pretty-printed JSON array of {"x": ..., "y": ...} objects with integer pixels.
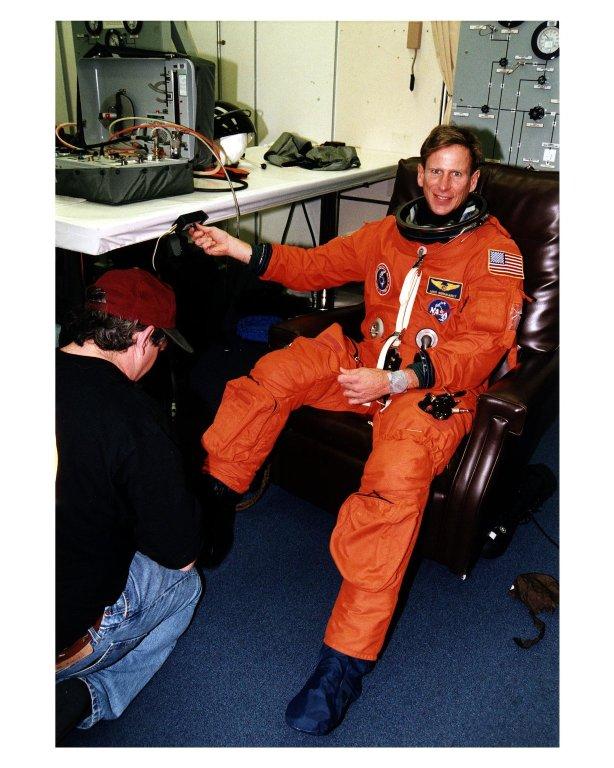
[
  {"x": 511, "y": 397},
  {"x": 281, "y": 334},
  {"x": 501, "y": 412}
]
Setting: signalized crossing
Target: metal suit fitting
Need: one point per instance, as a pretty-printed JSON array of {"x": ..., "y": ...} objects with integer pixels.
[
  {"x": 426, "y": 337},
  {"x": 377, "y": 328}
]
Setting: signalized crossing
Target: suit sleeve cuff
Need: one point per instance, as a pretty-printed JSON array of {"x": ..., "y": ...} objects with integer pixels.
[
  {"x": 418, "y": 369},
  {"x": 259, "y": 260}
]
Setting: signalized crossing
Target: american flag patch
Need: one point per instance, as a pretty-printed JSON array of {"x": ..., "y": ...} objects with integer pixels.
[{"x": 504, "y": 263}]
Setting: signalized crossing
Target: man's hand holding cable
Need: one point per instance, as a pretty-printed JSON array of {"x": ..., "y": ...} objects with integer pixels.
[{"x": 217, "y": 242}]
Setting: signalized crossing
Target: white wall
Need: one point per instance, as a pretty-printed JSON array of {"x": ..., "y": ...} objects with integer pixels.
[
  {"x": 295, "y": 76},
  {"x": 374, "y": 106},
  {"x": 61, "y": 106},
  {"x": 65, "y": 87},
  {"x": 347, "y": 81}
]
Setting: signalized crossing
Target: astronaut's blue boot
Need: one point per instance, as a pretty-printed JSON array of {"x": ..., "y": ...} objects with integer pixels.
[{"x": 323, "y": 701}]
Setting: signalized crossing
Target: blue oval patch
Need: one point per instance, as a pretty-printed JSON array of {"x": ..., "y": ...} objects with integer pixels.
[
  {"x": 440, "y": 309},
  {"x": 382, "y": 279}
]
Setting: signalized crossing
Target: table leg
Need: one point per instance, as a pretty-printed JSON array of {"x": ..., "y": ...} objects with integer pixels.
[
  {"x": 329, "y": 217},
  {"x": 329, "y": 228}
]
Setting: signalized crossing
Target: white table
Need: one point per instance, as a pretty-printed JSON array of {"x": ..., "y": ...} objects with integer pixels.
[{"x": 94, "y": 228}]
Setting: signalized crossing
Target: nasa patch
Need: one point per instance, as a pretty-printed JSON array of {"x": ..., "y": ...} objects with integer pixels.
[
  {"x": 440, "y": 309},
  {"x": 382, "y": 279}
]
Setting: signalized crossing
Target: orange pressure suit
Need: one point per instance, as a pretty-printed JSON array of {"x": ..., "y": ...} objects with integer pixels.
[{"x": 470, "y": 292}]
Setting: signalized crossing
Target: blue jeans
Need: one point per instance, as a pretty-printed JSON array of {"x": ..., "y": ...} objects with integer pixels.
[{"x": 136, "y": 636}]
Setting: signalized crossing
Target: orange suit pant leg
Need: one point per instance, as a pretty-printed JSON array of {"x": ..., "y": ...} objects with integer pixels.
[
  {"x": 377, "y": 527},
  {"x": 255, "y": 408}
]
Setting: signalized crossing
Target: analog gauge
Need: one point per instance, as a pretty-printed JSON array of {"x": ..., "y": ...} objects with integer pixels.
[
  {"x": 133, "y": 27},
  {"x": 112, "y": 38},
  {"x": 93, "y": 27},
  {"x": 510, "y": 24},
  {"x": 545, "y": 40}
]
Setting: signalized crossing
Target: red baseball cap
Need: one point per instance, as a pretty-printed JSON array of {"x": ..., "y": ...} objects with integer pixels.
[{"x": 135, "y": 294}]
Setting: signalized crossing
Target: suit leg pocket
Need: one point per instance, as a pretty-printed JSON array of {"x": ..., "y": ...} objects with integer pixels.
[{"x": 371, "y": 539}]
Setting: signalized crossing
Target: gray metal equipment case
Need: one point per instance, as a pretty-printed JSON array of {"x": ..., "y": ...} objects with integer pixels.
[{"x": 161, "y": 86}]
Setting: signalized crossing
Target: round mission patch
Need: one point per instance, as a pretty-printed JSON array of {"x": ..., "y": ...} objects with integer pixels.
[{"x": 382, "y": 279}]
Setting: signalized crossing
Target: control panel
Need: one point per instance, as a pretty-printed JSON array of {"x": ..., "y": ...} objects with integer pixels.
[{"x": 506, "y": 89}]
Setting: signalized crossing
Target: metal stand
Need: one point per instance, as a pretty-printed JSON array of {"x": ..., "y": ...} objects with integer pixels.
[{"x": 329, "y": 228}]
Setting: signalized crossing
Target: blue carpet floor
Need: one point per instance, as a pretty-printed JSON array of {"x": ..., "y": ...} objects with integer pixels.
[{"x": 451, "y": 674}]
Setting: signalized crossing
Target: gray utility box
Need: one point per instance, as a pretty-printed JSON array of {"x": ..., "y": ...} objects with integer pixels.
[
  {"x": 178, "y": 89},
  {"x": 100, "y": 180},
  {"x": 508, "y": 92}
]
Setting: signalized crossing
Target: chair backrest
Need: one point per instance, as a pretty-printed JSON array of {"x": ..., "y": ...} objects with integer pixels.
[{"x": 526, "y": 202}]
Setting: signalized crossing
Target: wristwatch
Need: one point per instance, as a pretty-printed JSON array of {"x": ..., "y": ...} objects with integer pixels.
[{"x": 398, "y": 382}]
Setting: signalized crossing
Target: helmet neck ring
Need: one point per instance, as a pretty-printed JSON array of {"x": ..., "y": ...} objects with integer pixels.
[{"x": 416, "y": 222}]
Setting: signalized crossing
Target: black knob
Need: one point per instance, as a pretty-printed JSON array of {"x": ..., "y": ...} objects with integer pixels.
[
  {"x": 542, "y": 79},
  {"x": 536, "y": 113},
  {"x": 485, "y": 109},
  {"x": 503, "y": 62}
]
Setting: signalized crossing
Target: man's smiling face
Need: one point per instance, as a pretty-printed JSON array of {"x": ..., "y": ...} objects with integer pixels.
[{"x": 447, "y": 179}]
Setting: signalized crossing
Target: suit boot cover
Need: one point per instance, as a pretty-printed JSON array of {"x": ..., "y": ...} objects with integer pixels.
[
  {"x": 219, "y": 504},
  {"x": 323, "y": 701}
]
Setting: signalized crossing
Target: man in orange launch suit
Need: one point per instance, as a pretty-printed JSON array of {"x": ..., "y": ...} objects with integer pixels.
[{"x": 443, "y": 296}]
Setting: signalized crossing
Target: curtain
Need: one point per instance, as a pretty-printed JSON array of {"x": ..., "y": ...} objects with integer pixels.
[{"x": 445, "y": 37}]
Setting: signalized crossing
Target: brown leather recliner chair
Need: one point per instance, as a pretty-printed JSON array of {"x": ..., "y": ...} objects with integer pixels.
[{"x": 320, "y": 455}]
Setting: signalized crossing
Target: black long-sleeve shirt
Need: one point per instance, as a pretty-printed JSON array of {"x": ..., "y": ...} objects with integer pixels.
[{"x": 120, "y": 488}]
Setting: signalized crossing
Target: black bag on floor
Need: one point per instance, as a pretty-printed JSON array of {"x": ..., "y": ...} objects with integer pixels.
[{"x": 539, "y": 592}]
